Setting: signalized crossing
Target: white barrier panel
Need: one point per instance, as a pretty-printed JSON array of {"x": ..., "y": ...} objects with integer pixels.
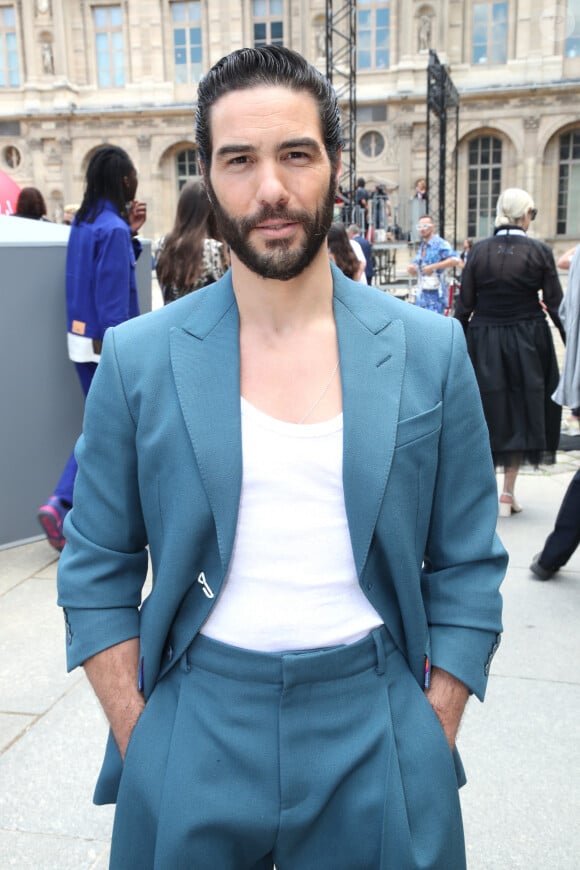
[{"x": 41, "y": 401}]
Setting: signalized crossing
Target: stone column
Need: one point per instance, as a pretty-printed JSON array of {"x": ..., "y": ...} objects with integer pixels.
[
  {"x": 403, "y": 149},
  {"x": 530, "y": 179}
]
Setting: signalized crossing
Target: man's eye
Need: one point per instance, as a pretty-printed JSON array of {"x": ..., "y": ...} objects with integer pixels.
[
  {"x": 239, "y": 160},
  {"x": 298, "y": 156}
]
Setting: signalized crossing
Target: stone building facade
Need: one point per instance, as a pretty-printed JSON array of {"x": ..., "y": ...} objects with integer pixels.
[{"x": 75, "y": 74}]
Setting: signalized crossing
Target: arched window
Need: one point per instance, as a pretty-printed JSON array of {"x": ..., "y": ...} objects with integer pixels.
[
  {"x": 568, "y": 218},
  {"x": 483, "y": 184},
  {"x": 187, "y": 166}
]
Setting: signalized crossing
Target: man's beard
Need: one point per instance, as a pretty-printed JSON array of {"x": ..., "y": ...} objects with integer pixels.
[{"x": 280, "y": 261}]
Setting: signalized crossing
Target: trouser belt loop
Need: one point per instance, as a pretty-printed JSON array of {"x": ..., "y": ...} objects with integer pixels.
[
  {"x": 185, "y": 661},
  {"x": 380, "y": 649}
]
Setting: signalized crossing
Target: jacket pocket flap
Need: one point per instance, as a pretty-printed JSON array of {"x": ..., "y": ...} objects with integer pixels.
[{"x": 417, "y": 427}]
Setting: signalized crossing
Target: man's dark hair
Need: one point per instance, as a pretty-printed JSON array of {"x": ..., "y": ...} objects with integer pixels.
[
  {"x": 271, "y": 65},
  {"x": 104, "y": 180}
]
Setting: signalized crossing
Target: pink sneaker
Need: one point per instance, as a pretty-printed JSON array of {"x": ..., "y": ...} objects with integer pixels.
[{"x": 51, "y": 517}]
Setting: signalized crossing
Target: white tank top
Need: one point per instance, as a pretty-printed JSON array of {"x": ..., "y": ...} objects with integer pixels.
[{"x": 292, "y": 581}]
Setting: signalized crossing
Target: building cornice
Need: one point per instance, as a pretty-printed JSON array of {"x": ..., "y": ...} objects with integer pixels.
[
  {"x": 523, "y": 89},
  {"x": 94, "y": 112}
]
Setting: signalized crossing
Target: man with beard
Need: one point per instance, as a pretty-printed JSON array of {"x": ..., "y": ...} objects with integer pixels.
[{"x": 290, "y": 691}]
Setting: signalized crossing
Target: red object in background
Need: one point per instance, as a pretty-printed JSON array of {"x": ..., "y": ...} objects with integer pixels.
[{"x": 9, "y": 191}]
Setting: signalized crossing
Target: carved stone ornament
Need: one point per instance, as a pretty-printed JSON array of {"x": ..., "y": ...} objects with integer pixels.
[
  {"x": 404, "y": 131},
  {"x": 424, "y": 33},
  {"x": 47, "y": 59},
  {"x": 42, "y": 7},
  {"x": 12, "y": 156},
  {"x": 54, "y": 158}
]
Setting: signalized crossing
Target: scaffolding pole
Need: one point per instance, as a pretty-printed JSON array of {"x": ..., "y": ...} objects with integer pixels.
[
  {"x": 341, "y": 72},
  {"x": 442, "y": 141}
]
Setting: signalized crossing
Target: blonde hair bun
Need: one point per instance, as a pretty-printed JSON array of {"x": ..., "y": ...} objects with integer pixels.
[{"x": 512, "y": 205}]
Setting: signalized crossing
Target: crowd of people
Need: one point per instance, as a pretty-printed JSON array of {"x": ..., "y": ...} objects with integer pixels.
[
  {"x": 508, "y": 283},
  {"x": 369, "y": 208},
  {"x": 293, "y": 685},
  {"x": 498, "y": 306}
]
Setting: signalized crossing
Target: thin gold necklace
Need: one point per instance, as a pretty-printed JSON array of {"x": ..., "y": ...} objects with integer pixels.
[{"x": 321, "y": 396}]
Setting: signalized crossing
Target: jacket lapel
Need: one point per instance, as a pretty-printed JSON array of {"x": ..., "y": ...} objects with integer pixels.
[
  {"x": 206, "y": 367},
  {"x": 372, "y": 354}
]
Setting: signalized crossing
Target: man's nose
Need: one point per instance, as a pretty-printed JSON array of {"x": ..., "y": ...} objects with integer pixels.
[{"x": 271, "y": 187}]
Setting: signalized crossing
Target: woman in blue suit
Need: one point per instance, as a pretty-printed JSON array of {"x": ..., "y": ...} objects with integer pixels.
[{"x": 101, "y": 288}]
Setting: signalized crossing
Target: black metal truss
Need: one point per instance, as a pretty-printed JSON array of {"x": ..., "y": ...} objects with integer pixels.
[
  {"x": 341, "y": 72},
  {"x": 442, "y": 140}
]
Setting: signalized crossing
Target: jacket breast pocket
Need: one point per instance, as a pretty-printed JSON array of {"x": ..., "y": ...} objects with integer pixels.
[{"x": 414, "y": 428}]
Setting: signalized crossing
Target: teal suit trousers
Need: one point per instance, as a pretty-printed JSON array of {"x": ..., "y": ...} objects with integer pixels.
[{"x": 329, "y": 759}]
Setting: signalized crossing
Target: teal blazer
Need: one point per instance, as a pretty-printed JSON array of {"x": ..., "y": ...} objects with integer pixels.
[{"x": 160, "y": 472}]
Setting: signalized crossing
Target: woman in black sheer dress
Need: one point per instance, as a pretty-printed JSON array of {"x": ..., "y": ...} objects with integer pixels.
[{"x": 509, "y": 340}]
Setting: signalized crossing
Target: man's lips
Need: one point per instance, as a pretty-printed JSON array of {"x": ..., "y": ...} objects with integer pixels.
[{"x": 276, "y": 227}]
